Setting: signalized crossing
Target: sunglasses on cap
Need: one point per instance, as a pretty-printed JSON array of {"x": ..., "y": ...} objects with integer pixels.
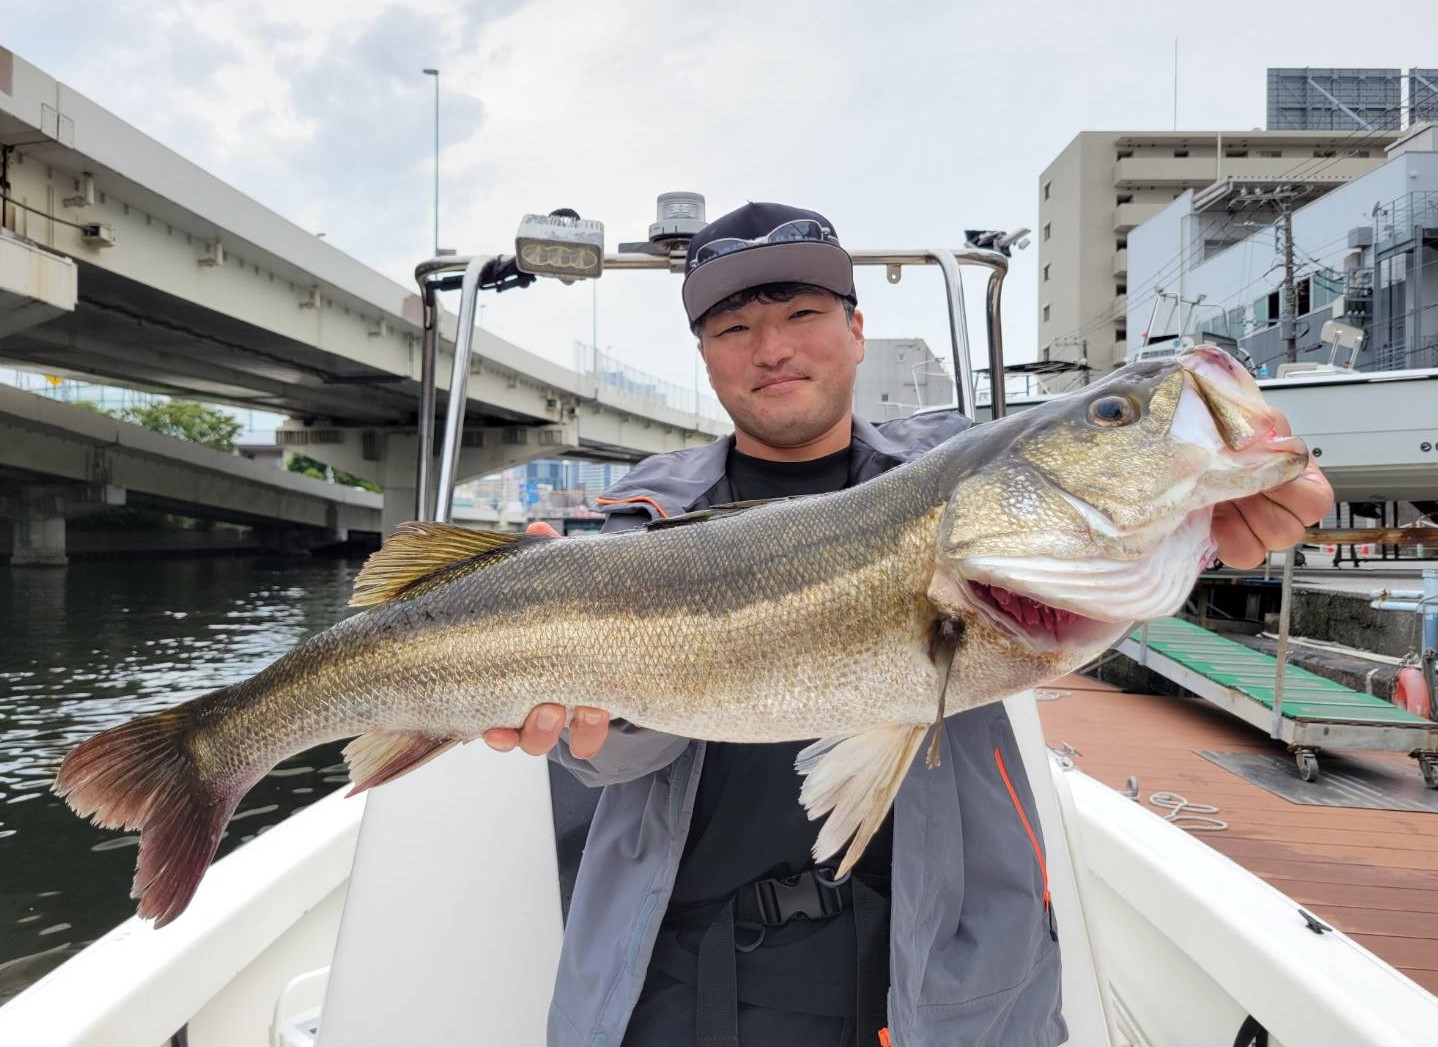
[{"x": 799, "y": 230}]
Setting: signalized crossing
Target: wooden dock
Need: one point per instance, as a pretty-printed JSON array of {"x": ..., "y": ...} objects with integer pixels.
[{"x": 1373, "y": 874}]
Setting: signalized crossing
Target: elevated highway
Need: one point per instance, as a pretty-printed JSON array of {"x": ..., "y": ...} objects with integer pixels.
[
  {"x": 121, "y": 261},
  {"x": 58, "y": 461}
]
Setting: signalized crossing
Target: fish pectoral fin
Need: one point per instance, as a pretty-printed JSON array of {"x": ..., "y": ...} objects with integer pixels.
[
  {"x": 854, "y": 779},
  {"x": 382, "y": 756},
  {"x": 422, "y": 550}
]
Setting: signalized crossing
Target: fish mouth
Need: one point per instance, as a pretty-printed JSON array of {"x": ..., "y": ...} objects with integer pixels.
[
  {"x": 1038, "y": 625},
  {"x": 1234, "y": 406},
  {"x": 1053, "y": 604}
]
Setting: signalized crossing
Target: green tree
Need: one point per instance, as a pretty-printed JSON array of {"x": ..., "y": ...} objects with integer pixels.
[
  {"x": 301, "y": 463},
  {"x": 187, "y": 421}
]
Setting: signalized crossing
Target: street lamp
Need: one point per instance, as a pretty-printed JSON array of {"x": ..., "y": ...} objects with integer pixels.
[{"x": 435, "y": 73}]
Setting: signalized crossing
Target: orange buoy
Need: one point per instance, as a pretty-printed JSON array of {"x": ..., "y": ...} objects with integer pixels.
[{"x": 1411, "y": 692}]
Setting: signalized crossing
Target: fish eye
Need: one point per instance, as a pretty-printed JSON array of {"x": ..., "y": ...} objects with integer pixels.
[{"x": 1112, "y": 411}]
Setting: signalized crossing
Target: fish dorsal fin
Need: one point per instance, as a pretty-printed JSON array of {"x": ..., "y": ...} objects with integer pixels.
[
  {"x": 713, "y": 512},
  {"x": 420, "y": 551}
]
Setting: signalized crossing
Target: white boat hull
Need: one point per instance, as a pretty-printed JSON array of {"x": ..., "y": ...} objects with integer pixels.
[{"x": 1166, "y": 942}]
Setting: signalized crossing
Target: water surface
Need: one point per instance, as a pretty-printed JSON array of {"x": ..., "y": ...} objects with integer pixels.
[{"x": 88, "y": 646}]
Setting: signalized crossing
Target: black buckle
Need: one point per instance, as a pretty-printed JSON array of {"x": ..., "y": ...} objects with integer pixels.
[{"x": 809, "y": 895}]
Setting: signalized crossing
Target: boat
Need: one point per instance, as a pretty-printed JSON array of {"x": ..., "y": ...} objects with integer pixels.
[
  {"x": 1166, "y": 941},
  {"x": 428, "y": 911}
]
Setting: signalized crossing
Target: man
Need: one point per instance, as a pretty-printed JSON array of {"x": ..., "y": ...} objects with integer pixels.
[{"x": 698, "y": 916}]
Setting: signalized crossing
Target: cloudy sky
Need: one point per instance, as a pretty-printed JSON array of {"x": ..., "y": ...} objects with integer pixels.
[{"x": 905, "y": 123}]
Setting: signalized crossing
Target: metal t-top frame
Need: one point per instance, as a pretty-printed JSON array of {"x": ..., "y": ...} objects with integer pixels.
[{"x": 464, "y": 272}]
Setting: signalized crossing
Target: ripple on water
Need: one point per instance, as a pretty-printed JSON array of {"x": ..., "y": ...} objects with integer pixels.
[
  {"x": 266, "y": 809},
  {"x": 119, "y": 843},
  {"x": 290, "y": 772}
]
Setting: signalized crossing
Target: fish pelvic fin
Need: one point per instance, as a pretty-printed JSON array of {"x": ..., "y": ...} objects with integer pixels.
[
  {"x": 854, "y": 779},
  {"x": 382, "y": 756},
  {"x": 142, "y": 775},
  {"x": 420, "y": 555}
]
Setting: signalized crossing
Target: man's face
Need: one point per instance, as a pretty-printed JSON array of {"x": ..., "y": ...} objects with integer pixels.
[{"x": 785, "y": 373}]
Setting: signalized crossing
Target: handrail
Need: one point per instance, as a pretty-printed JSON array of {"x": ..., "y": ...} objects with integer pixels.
[{"x": 437, "y": 274}]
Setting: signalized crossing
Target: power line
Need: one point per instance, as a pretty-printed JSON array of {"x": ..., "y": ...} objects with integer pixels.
[{"x": 82, "y": 226}]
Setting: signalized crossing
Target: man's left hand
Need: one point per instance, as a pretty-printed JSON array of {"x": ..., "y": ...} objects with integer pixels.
[{"x": 1246, "y": 530}]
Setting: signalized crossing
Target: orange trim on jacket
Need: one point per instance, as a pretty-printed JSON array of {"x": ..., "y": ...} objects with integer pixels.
[
  {"x": 635, "y": 498},
  {"x": 1023, "y": 816}
]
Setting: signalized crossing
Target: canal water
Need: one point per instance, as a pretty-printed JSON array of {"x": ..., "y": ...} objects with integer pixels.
[{"x": 88, "y": 646}]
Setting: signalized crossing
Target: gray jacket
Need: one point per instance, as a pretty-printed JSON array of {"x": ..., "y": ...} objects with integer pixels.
[{"x": 974, "y": 957}]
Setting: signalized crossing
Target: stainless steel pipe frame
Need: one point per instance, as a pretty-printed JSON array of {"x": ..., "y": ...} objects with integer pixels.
[{"x": 438, "y": 274}]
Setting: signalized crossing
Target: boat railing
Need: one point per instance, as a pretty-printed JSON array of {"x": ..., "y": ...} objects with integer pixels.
[{"x": 472, "y": 274}]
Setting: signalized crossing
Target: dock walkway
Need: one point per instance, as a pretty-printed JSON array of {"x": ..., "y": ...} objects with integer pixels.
[{"x": 1371, "y": 873}]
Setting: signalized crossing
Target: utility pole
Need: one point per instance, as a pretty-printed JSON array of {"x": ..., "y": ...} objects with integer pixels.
[{"x": 1288, "y": 324}]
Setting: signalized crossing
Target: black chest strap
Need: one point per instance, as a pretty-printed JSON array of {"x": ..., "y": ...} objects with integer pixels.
[{"x": 772, "y": 903}]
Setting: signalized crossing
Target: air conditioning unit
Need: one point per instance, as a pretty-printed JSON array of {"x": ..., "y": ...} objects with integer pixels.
[{"x": 99, "y": 234}]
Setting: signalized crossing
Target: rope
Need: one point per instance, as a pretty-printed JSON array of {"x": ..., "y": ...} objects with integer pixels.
[{"x": 1185, "y": 815}]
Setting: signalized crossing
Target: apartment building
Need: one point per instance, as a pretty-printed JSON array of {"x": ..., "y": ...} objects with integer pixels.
[{"x": 1105, "y": 183}]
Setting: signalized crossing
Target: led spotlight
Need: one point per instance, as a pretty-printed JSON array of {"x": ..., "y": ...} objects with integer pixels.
[{"x": 571, "y": 248}]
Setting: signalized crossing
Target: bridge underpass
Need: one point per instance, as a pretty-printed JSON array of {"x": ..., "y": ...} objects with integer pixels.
[
  {"x": 59, "y": 461},
  {"x": 123, "y": 263}
]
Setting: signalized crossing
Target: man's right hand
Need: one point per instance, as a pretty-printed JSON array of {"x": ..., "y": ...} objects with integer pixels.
[{"x": 540, "y": 732}]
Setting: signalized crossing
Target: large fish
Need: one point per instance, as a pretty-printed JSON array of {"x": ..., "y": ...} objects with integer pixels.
[{"x": 1005, "y": 557}]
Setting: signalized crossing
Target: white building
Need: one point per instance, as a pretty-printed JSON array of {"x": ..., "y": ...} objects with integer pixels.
[
  {"x": 1365, "y": 253},
  {"x": 1107, "y": 183},
  {"x": 899, "y": 376}
]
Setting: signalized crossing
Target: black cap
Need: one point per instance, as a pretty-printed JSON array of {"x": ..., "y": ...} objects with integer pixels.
[{"x": 814, "y": 257}]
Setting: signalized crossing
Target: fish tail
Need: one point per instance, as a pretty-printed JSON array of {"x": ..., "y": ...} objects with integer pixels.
[{"x": 143, "y": 775}]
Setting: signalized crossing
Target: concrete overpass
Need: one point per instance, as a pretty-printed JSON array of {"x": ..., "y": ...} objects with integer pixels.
[
  {"x": 58, "y": 461},
  {"x": 121, "y": 261}
]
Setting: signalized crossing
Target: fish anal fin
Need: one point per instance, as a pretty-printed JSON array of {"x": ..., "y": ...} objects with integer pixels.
[
  {"x": 382, "y": 756},
  {"x": 419, "y": 551},
  {"x": 853, "y": 780}
]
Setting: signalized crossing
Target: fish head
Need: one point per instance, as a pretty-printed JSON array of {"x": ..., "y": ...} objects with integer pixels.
[{"x": 1094, "y": 510}]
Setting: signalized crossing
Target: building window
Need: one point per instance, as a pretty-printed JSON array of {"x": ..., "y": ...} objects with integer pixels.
[
  {"x": 1272, "y": 154},
  {"x": 1234, "y": 153},
  {"x": 1124, "y": 198},
  {"x": 1046, "y": 314},
  {"x": 1048, "y": 186},
  {"x": 1180, "y": 152},
  {"x": 1048, "y": 230},
  {"x": 1046, "y": 274}
]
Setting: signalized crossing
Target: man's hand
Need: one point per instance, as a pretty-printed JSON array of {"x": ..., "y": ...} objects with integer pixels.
[
  {"x": 1247, "y": 529},
  {"x": 540, "y": 732}
]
